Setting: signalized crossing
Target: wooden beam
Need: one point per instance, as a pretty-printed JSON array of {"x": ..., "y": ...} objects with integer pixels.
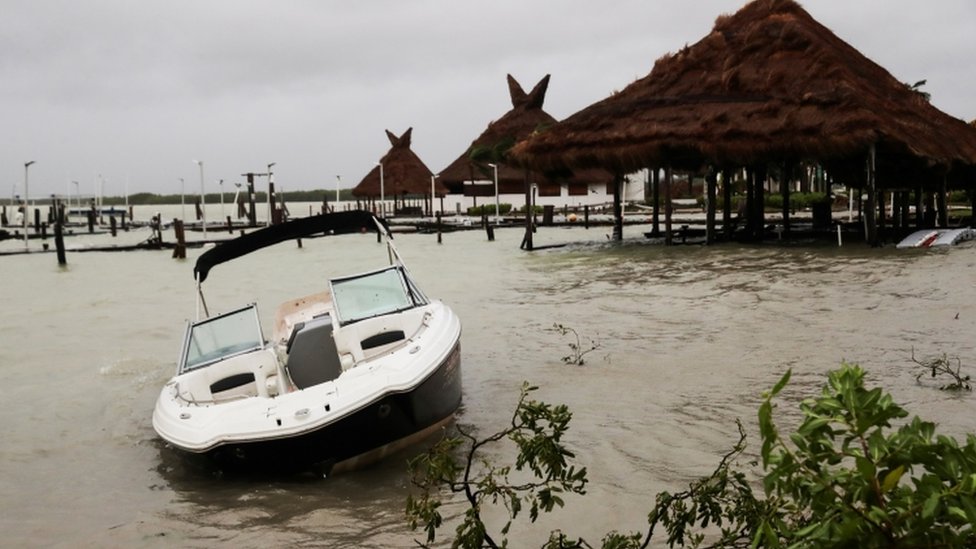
[{"x": 870, "y": 211}]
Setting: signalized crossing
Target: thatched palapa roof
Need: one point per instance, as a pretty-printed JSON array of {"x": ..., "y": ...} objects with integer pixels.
[
  {"x": 403, "y": 172},
  {"x": 525, "y": 117},
  {"x": 769, "y": 83}
]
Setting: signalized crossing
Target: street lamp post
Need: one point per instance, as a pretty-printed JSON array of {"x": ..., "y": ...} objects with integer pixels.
[
  {"x": 432, "y": 195},
  {"x": 77, "y": 195},
  {"x": 495, "y": 168},
  {"x": 26, "y": 200},
  {"x": 203, "y": 200},
  {"x": 338, "y": 180},
  {"x": 270, "y": 182},
  {"x": 382, "y": 191},
  {"x": 182, "y": 199}
]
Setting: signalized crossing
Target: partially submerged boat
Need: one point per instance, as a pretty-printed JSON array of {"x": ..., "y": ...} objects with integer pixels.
[
  {"x": 362, "y": 369},
  {"x": 934, "y": 238}
]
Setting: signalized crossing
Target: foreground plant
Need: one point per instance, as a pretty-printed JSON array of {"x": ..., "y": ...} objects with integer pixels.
[{"x": 846, "y": 477}]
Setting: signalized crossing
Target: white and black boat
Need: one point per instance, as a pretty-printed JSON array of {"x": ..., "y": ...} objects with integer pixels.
[{"x": 350, "y": 374}]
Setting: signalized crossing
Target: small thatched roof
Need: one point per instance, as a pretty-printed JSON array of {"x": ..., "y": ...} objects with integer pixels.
[
  {"x": 769, "y": 83},
  {"x": 491, "y": 147},
  {"x": 403, "y": 172}
]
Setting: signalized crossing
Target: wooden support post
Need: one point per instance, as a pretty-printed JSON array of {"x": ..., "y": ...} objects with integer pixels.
[
  {"x": 668, "y": 180},
  {"x": 230, "y": 225},
  {"x": 972, "y": 205},
  {"x": 727, "y": 203},
  {"x": 711, "y": 180},
  {"x": 198, "y": 209},
  {"x": 882, "y": 216},
  {"x": 586, "y": 216},
  {"x": 112, "y": 225},
  {"x": 179, "y": 251},
  {"x": 59, "y": 239},
  {"x": 299, "y": 240},
  {"x": 91, "y": 221},
  {"x": 943, "y": 202},
  {"x": 439, "y": 214},
  {"x": 491, "y": 232},
  {"x": 870, "y": 210},
  {"x": 656, "y": 203},
  {"x": 784, "y": 187},
  {"x": 919, "y": 208},
  {"x": 43, "y": 231},
  {"x": 272, "y": 204},
  {"x": 618, "y": 214},
  {"x": 527, "y": 238},
  {"x": 252, "y": 216},
  {"x": 37, "y": 220},
  {"x": 760, "y": 207}
]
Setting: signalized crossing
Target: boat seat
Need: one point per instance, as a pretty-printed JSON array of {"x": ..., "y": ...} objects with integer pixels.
[{"x": 312, "y": 355}]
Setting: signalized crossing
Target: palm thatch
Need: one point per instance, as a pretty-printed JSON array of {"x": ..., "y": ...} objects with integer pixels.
[
  {"x": 492, "y": 146},
  {"x": 768, "y": 84},
  {"x": 403, "y": 173}
]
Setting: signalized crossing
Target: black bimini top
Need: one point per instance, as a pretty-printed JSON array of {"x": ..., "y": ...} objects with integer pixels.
[{"x": 354, "y": 221}]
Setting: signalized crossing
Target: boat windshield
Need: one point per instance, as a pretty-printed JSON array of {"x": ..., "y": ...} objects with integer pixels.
[
  {"x": 374, "y": 294},
  {"x": 221, "y": 336}
]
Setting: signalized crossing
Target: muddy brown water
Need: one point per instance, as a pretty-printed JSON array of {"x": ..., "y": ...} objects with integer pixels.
[{"x": 688, "y": 338}]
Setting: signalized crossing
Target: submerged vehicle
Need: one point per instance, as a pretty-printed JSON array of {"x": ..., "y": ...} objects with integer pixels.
[
  {"x": 934, "y": 238},
  {"x": 350, "y": 374}
]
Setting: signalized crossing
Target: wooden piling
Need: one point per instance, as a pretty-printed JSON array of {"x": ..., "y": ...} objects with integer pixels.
[
  {"x": 586, "y": 216},
  {"x": 491, "y": 232},
  {"x": 37, "y": 220},
  {"x": 230, "y": 225},
  {"x": 59, "y": 239},
  {"x": 439, "y": 227},
  {"x": 727, "y": 203},
  {"x": 111, "y": 223},
  {"x": 179, "y": 252},
  {"x": 618, "y": 214},
  {"x": 668, "y": 235},
  {"x": 711, "y": 179},
  {"x": 871, "y": 229},
  {"x": 91, "y": 221}
]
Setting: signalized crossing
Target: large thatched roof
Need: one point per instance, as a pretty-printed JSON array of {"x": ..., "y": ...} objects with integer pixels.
[
  {"x": 769, "y": 83},
  {"x": 403, "y": 172},
  {"x": 491, "y": 147}
]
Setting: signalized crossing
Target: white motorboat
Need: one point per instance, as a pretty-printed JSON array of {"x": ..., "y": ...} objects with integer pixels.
[
  {"x": 350, "y": 374},
  {"x": 934, "y": 238}
]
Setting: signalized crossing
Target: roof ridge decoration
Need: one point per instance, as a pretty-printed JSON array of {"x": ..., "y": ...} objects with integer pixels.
[
  {"x": 400, "y": 142},
  {"x": 532, "y": 100}
]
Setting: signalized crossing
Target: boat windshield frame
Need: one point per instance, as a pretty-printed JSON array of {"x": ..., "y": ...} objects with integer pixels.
[
  {"x": 229, "y": 333},
  {"x": 373, "y": 294}
]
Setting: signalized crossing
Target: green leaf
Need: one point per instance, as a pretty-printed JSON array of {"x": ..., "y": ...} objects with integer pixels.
[
  {"x": 782, "y": 383},
  {"x": 892, "y": 478},
  {"x": 928, "y": 510}
]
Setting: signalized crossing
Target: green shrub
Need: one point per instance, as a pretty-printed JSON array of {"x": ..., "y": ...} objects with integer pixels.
[
  {"x": 489, "y": 209},
  {"x": 855, "y": 473}
]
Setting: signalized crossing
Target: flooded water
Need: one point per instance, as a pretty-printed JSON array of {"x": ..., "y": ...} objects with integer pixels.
[{"x": 688, "y": 338}]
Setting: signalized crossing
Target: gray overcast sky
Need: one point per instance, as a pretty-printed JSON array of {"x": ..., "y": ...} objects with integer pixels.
[{"x": 134, "y": 90}]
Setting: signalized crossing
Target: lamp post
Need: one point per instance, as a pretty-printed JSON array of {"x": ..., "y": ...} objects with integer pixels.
[
  {"x": 495, "y": 168},
  {"x": 220, "y": 184},
  {"x": 203, "y": 200},
  {"x": 432, "y": 195},
  {"x": 338, "y": 180},
  {"x": 26, "y": 200},
  {"x": 382, "y": 191},
  {"x": 77, "y": 195},
  {"x": 182, "y": 199},
  {"x": 270, "y": 182}
]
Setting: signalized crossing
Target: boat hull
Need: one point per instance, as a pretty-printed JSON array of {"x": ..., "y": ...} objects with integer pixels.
[{"x": 383, "y": 426}]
